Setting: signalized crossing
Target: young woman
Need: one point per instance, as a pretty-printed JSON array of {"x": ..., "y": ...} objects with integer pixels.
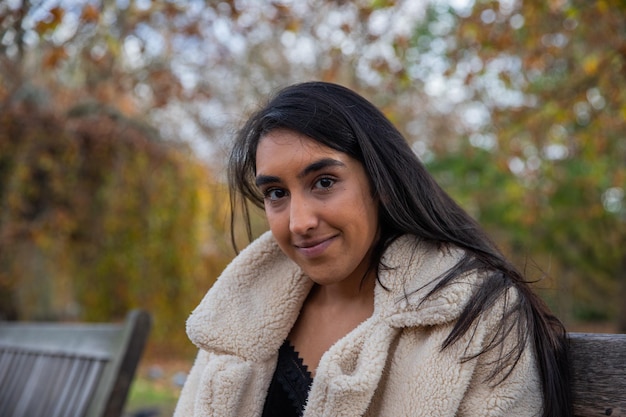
[{"x": 373, "y": 293}]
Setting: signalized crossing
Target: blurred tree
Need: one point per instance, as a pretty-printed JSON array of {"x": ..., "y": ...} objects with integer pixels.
[
  {"x": 99, "y": 216},
  {"x": 516, "y": 107},
  {"x": 96, "y": 202},
  {"x": 192, "y": 69},
  {"x": 547, "y": 84}
]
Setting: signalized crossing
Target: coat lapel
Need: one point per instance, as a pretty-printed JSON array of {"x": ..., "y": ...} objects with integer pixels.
[
  {"x": 252, "y": 306},
  {"x": 349, "y": 371}
]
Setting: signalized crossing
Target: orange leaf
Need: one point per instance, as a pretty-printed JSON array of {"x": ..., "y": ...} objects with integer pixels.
[
  {"x": 90, "y": 14},
  {"x": 57, "y": 14},
  {"x": 54, "y": 57},
  {"x": 51, "y": 21}
]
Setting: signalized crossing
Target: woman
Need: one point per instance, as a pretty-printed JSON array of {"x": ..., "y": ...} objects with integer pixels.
[{"x": 373, "y": 293}]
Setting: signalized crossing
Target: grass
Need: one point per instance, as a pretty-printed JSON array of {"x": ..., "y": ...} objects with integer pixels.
[
  {"x": 146, "y": 396},
  {"x": 153, "y": 392}
]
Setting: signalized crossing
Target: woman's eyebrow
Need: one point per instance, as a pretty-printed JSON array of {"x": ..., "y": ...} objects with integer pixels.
[
  {"x": 262, "y": 180},
  {"x": 319, "y": 165},
  {"x": 266, "y": 179}
]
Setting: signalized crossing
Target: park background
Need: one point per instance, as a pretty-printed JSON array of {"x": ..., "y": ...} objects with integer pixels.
[{"x": 116, "y": 118}]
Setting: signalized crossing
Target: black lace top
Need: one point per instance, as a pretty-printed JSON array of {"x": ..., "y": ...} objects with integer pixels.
[{"x": 290, "y": 385}]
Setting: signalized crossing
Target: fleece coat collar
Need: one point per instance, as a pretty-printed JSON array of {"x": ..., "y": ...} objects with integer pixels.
[
  {"x": 390, "y": 365},
  {"x": 257, "y": 299}
]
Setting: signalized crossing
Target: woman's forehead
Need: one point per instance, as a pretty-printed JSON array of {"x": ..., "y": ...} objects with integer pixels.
[
  {"x": 288, "y": 138},
  {"x": 286, "y": 149}
]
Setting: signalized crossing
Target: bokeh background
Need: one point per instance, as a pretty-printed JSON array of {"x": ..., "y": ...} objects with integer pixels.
[{"x": 116, "y": 118}]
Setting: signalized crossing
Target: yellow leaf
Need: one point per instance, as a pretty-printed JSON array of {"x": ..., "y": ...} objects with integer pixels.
[
  {"x": 590, "y": 64},
  {"x": 602, "y": 6}
]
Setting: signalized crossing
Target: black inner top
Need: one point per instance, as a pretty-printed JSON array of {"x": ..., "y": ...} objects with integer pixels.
[{"x": 290, "y": 385}]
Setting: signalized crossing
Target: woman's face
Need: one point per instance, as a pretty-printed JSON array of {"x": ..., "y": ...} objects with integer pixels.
[{"x": 318, "y": 204}]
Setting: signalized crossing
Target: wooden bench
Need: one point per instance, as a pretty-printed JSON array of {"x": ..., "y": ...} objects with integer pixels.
[
  {"x": 69, "y": 370},
  {"x": 598, "y": 366},
  {"x": 59, "y": 370}
]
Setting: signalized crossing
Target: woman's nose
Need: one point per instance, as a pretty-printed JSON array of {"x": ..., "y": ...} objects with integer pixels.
[{"x": 302, "y": 216}]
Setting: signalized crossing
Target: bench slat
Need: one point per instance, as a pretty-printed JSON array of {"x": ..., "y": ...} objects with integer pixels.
[
  {"x": 598, "y": 367},
  {"x": 69, "y": 370}
]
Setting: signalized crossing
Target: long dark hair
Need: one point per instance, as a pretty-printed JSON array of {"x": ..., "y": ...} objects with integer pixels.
[{"x": 411, "y": 202}]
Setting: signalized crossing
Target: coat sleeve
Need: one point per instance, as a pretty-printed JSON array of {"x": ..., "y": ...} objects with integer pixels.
[
  {"x": 518, "y": 395},
  {"x": 516, "y": 389},
  {"x": 185, "y": 406},
  {"x": 223, "y": 385}
]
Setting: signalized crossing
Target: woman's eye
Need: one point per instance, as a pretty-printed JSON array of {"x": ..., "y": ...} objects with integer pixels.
[
  {"x": 325, "y": 183},
  {"x": 274, "y": 194}
]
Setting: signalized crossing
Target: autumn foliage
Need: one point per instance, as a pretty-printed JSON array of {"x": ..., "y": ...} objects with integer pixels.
[
  {"x": 106, "y": 202},
  {"x": 99, "y": 216}
]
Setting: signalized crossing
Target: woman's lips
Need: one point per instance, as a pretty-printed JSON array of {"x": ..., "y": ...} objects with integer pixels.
[{"x": 314, "y": 249}]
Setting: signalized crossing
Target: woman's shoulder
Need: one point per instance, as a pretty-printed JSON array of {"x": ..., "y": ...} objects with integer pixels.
[
  {"x": 411, "y": 269},
  {"x": 417, "y": 262},
  {"x": 436, "y": 282}
]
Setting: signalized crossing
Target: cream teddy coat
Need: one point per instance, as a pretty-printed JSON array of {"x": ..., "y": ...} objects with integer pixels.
[{"x": 390, "y": 365}]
